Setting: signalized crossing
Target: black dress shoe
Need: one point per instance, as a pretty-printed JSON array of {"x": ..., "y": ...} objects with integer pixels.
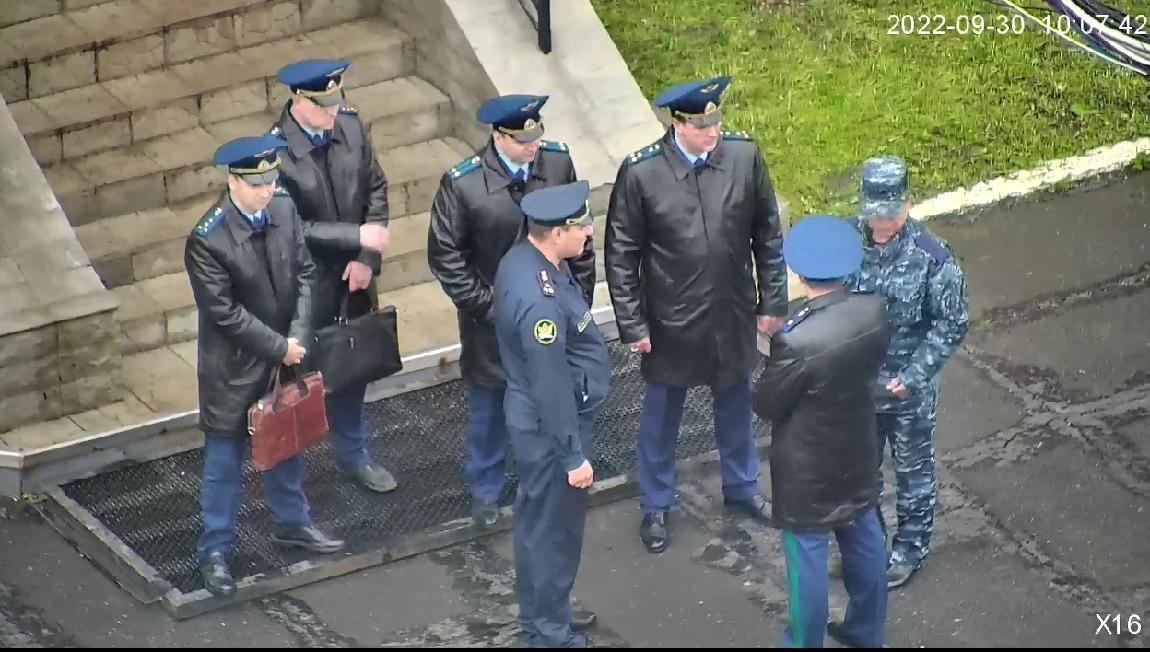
[
  {"x": 653, "y": 532},
  {"x": 757, "y": 507},
  {"x": 217, "y": 577},
  {"x": 308, "y": 538},
  {"x": 582, "y": 618},
  {"x": 484, "y": 513}
]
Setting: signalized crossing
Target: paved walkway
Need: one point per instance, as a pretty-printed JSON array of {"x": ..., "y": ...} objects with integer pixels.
[{"x": 1044, "y": 513}]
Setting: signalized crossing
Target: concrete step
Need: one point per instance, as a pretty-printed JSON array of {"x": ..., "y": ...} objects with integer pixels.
[
  {"x": 400, "y": 111},
  {"x": 376, "y": 49},
  {"x": 127, "y": 36},
  {"x": 414, "y": 171},
  {"x": 177, "y": 167},
  {"x": 138, "y": 246},
  {"x": 161, "y": 311},
  {"x": 135, "y": 247}
]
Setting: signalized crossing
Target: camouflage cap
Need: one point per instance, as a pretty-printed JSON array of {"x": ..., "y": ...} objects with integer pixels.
[{"x": 885, "y": 187}]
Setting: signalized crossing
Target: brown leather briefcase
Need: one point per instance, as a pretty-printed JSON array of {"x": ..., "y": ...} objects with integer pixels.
[{"x": 288, "y": 420}]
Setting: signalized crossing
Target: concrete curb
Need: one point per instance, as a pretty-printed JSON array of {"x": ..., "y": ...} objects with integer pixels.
[{"x": 1096, "y": 162}]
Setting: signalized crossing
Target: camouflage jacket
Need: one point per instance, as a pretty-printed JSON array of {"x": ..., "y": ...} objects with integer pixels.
[{"x": 927, "y": 304}]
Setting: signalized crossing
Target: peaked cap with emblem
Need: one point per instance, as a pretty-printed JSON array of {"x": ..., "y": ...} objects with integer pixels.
[
  {"x": 695, "y": 102},
  {"x": 254, "y": 159},
  {"x": 320, "y": 80},
  {"x": 564, "y": 205},
  {"x": 514, "y": 115}
]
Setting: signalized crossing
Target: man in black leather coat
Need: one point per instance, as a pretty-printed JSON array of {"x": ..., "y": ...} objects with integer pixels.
[
  {"x": 252, "y": 278},
  {"x": 694, "y": 268},
  {"x": 331, "y": 172},
  {"x": 817, "y": 393},
  {"x": 475, "y": 220}
]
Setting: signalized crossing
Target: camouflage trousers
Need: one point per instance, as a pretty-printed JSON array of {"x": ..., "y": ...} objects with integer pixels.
[{"x": 911, "y": 439}]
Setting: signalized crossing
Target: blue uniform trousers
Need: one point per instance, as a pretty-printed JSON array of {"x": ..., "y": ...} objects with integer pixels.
[
  {"x": 348, "y": 434},
  {"x": 864, "y": 574},
  {"x": 659, "y": 432},
  {"x": 911, "y": 439},
  {"x": 486, "y": 468},
  {"x": 549, "y": 521},
  {"x": 223, "y": 489}
]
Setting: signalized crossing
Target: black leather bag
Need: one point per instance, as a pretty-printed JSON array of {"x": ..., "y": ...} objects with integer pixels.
[{"x": 358, "y": 351}]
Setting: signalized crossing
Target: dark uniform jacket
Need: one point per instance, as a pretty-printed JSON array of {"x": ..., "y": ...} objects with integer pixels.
[
  {"x": 558, "y": 368},
  {"x": 926, "y": 298},
  {"x": 333, "y": 213},
  {"x": 683, "y": 248},
  {"x": 816, "y": 392},
  {"x": 475, "y": 219},
  {"x": 251, "y": 297}
]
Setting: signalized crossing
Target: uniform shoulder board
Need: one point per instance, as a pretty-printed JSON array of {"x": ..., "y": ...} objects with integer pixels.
[
  {"x": 281, "y": 191},
  {"x": 554, "y": 146},
  {"x": 932, "y": 246},
  {"x": 348, "y": 110},
  {"x": 645, "y": 153},
  {"x": 797, "y": 318},
  {"x": 736, "y": 135},
  {"x": 276, "y": 131},
  {"x": 469, "y": 164},
  {"x": 208, "y": 223},
  {"x": 545, "y": 283}
]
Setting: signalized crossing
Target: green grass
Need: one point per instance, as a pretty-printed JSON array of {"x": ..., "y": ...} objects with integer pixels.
[{"x": 821, "y": 86}]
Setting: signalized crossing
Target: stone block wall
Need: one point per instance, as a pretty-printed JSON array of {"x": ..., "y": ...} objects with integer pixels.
[
  {"x": 446, "y": 58},
  {"x": 58, "y": 349}
]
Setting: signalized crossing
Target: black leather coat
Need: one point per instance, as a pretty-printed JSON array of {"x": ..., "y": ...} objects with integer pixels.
[
  {"x": 816, "y": 391},
  {"x": 682, "y": 249},
  {"x": 332, "y": 215},
  {"x": 249, "y": 304},
  {"x": 475, "y": 220}
]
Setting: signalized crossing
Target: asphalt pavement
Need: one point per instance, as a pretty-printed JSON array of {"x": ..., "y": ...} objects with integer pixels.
[{"x": 1042, "y": 532}]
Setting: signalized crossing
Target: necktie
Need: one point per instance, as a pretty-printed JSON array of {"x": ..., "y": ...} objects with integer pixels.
[
  {"x": 320, "y": 139},
  {"x": 519, "y": 176},
  {"x": 258, "y": 222},
  {"x": 699, "y": 163}
]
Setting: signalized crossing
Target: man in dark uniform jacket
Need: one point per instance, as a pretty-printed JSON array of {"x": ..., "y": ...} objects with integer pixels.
[
  {"x": 692, "y": 221},
  {"x": 475, "y": 219},
  {"x": 252, "y": 278},
  {"x": 817, "y": 392},
  {"x": 331, "y": 171},
  {"x": 558, "y": 375}
]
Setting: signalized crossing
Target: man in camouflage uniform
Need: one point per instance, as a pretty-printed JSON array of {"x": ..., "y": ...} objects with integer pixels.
[{"x": 927, "y": 306}]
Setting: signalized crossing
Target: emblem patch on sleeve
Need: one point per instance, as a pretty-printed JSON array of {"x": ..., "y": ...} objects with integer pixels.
[
  {"x": 584, "y": 322},
  {"x": 545, "y": 331}
]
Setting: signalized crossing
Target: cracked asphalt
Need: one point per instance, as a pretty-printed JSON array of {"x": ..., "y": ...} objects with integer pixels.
[{"x": 1042, "y": 533}]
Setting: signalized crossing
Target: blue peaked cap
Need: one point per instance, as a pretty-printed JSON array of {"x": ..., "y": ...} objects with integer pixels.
[
  {"x": 696, "y": 102},
  {"x": 823, "y": 248},
  {"x": 255, "y": 159},
  {"x": 515, "y": 115},
  {"x": 564, "y": 205},
  {"x": 320, "y": 80}
]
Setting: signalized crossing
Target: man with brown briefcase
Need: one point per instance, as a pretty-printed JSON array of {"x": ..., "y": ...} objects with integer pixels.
[{"x": 251, "y": 274}]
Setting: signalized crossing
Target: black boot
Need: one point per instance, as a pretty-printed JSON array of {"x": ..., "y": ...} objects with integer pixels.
[{"x": 653, "y": 532}]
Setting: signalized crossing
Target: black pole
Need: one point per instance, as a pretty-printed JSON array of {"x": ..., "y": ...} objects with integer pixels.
[{"x": 543, "y": 9}]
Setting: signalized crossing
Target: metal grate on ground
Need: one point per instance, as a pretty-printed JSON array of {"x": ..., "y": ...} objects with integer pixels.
[{"x": 149, "y": 514}]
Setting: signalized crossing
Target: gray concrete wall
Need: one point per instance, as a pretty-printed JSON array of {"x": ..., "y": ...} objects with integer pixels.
[
  {"x": 58, "y": 351},
  {"x": 473, "y": 50}
]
